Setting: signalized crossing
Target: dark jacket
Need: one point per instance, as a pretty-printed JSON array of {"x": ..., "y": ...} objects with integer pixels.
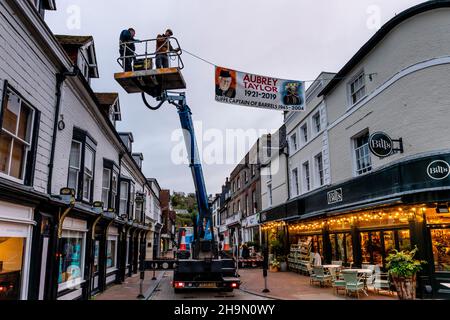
[
  {"x": 125, "y": 36},
  {"x": 230, "y": 93}
]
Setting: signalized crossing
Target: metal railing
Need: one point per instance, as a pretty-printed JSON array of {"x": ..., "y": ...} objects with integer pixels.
[{"x": 147, "y": 49}]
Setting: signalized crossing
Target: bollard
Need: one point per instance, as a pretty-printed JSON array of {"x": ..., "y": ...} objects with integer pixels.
[
  {"x": 141, "y": 284},
  {"x": 154, "y": 268},
  {"x": 265, "y": 266}
]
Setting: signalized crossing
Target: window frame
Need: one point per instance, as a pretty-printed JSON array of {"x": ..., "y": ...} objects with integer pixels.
[
  {"x": 293, "y": 142},
  {"x": 303, "y": 130},
  {"x": 364, "y": 170},
  {"x": 113, "y": 171},
  {"x": 360, "y": 74},
  {"x": 295, "y": 182},
  {"x": 316, "y": 125},
  {"x": 29, "y": 163},
  {"x": 319, "y": 170},
  {"x": 127, "y": 206},
  {"x": 86, "y": 140},
  {"x": 306, "y": 176}
]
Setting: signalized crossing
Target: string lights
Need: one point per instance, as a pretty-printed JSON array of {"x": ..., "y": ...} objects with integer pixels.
[{"x": 390, "y": 216}]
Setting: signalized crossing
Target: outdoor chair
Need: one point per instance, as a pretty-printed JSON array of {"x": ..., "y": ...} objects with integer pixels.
[
  {"x": 321, "y": 276},
  {"x": 336, "y": 282},
  {"x": 312, "y": 276},
  {"x": 382, "y": 281},
  {"x": 370, "y": 278},
  {"x": 353, "y": 283}
]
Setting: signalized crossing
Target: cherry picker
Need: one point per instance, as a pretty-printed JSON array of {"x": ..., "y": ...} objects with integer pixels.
[{"x": 206, "y": 267}]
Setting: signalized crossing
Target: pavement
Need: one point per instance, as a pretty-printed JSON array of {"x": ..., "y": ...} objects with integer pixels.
[
  {"x": 294, "y": 286},
  {"x": 282, "y": 286},
  {"x": 129, "y": 290}
]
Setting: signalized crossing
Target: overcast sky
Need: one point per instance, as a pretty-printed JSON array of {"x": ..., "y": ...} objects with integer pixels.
[{"x": 279, "y": 38}]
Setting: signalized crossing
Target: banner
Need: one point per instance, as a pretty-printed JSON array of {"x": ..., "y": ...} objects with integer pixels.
[{"x": 257, "y": 91}]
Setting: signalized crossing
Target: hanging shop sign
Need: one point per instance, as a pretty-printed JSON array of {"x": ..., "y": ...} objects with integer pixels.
[
  {"x": 438, "y": 170},
  {"x": 250, "y": 90},
  {"x": 335, "y": 196},
  {"x": 381, "y": 145}
]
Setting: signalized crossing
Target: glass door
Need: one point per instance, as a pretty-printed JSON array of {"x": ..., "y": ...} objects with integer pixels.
[{"x": 95, "y": 267}]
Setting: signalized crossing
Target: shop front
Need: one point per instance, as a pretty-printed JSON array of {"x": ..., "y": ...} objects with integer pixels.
[
  {"x": 250, "y": 229},
  {"x": 16, "y": 226},
  {"x": 363, "y": 220}
]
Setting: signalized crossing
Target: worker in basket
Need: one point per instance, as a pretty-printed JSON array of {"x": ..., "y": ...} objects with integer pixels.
[
  {"x": 163, "y": 49},
  {"x": 127, "y": 48}
]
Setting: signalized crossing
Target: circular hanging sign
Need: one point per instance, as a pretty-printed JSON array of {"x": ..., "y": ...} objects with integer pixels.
[
  {"x": 438, "y": 170},
  {"x": 380, "y": 144}
]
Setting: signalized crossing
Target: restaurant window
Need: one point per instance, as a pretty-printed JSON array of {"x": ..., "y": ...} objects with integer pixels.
[
  {"x": 81, "y": 165},
  {"x": 111, "y": 252},
  {"x": 357, "y": 88},
  {"x": 341, "y": 247},
  {"x": 319, "y": 169},
  {"x": 11, "y": 267},
  {"x": 71, "y": 259},
  {"x": 441, "y": 249},
  {"x": 124, "y": 194},
  {"x": 306, "y": 177},
  {"x": 404, "y": 240},
  {"x": 363, "y": 161},
  {"x": 18, "y": 120}
]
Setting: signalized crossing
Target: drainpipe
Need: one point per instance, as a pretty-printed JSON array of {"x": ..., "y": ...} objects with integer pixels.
[{"x": 60, "y": 78}]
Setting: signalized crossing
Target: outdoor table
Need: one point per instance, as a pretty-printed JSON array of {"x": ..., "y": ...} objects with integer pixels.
[
  {"x": 332, "y": 266},
  {"x": 365, "y": 273}
]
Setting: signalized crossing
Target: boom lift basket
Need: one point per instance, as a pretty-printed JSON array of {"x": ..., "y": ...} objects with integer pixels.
[{"x": 144, "y": 77}]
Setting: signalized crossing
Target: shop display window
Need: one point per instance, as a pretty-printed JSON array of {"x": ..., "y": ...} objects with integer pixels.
[
  {"x": 71, "y": 258},
  {"x": 111, "y": 253},
  {"x": 11, "y": 266},
  {"x": 441, "y": 249}
]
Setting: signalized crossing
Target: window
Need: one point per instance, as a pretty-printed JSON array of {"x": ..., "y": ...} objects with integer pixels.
[
  {"x": 304, "y": 132},
  {"x": 71, "y": 259},
  {"x": 123, "y": 202},
  {"x": 131, "y": 212},
  {"x": 440, "y": 239},
  {"x": 295, "y": 190},
  {"x": 88, "y": 173},
  {"x": 254, "y": 204},
  {"x": 319, "y": 169},
  {"x": 238, "y": 183},
  {"x": 11, "y": 268},
  {"x": 111, "y": 252},
  {"x": 306, "y": 176},
  {"x": 316, "y": 122},
  {"x": 253, "y": 170},
  {"x": 246, "y": 205},
  {"x": 245, "y": 176},
  {"x": 106, "y": 185},
  {"x": 81, "y": 165},
  {"x": 358, "y": 88},
  {"x": 16, "y": 136},
  {"x": 74, "y": 165},
  {"x": 362, "y": 154},
  {"x": 269, "y": 189},
  {"x": 239, "y": 205},
  {"x": 294, "y": 145},
  {"x": 114, "y": 182}
]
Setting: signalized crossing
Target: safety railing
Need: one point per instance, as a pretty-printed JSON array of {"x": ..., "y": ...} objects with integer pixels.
[{"x": 147, "y": 50}]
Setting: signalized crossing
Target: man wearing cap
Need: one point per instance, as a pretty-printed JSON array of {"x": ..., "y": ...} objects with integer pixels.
[
  {"x": 223, "y": 89},
  {"x": 163, "y": 48}
]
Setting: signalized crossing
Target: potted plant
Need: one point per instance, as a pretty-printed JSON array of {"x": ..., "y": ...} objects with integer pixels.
[
  {"x": 283, "y": 263},
  {"x": 403, "y": 269},
  {"x": 274, "y": 265}
]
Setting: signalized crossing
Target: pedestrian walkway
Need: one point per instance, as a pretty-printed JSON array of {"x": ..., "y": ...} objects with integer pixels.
[
  {"x": 129, "y": 290},
  {"x": 293, "y": 286}
]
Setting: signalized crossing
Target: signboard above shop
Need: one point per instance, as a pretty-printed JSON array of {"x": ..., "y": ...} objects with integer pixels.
[
  {"x": 251, "y": 90},
  {"x": 381, "y": 145}
]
